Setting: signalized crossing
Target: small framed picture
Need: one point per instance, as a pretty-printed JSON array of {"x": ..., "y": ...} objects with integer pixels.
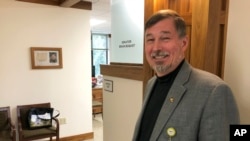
[
  {"x": 46, "y": 58},
  {"x": 108, "y": 85}
]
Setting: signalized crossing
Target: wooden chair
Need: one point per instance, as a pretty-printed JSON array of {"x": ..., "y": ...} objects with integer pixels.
[
  {"x": 7, "y": 129},
  {"x": 26, "y": 134}
]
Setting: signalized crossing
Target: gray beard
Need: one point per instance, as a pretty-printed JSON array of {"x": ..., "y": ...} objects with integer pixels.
[{"x": 161, "y": 68}]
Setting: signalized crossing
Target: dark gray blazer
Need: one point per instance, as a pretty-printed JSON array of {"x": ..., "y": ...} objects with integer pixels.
[{"x": 201, "y": 108}]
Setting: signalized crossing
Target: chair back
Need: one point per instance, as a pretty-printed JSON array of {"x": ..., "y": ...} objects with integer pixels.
[
  {"x": 7, "y": 129},
  {"x": 27, "y": 134},
  {"x": 4, "y": 118},
  {"x": 23, "y": 112}
]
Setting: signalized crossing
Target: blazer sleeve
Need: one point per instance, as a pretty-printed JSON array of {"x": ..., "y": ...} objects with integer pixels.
[{"x": 219, "y": 112}]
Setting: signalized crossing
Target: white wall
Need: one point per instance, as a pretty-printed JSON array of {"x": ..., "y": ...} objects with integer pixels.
[
  {"x": 121, "y": 108},
  {"x": 237, "y": 68},
  {"x": 24, "y": 25}
]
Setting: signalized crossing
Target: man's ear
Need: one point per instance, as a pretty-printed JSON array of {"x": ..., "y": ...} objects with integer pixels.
[{"x": 185, "y": 42}]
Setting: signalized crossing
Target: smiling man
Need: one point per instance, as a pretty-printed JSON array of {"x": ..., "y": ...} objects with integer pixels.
[{"x": 181, "y": 103}]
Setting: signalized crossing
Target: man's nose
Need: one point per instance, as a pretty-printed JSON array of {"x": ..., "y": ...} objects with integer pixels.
[{"x": 157, "y": 45}]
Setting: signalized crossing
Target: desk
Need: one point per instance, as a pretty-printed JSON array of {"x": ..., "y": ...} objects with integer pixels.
[{"x": 97, "y": 100}]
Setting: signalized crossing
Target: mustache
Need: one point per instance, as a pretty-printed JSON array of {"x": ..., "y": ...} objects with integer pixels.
[{"x": 159, "y": 53}]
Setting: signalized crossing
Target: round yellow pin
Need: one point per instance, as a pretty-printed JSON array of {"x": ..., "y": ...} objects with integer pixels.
[{"x": 171, "y": 132}]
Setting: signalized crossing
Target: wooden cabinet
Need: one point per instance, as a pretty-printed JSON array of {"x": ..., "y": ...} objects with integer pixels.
[{"x": 97, "y": 100}]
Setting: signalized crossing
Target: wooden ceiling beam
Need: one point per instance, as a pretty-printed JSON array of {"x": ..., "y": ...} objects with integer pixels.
[
  {"x": 48, "y": 2},
  {"x": 83, "y": 5},
  {"x": 79, "y": 4}
]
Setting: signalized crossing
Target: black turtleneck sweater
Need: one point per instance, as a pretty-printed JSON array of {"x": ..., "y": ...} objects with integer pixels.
[{"x": 155, "y": 102}]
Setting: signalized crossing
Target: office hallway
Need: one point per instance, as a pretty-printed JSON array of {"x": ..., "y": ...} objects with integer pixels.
[{"x": 97, "y": 128}]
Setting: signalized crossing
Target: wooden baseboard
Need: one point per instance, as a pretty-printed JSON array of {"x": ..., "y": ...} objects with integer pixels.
[{"x": 78, "y": 137}]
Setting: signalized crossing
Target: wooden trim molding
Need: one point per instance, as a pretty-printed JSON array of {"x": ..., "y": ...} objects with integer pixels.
[
  {"x": 123, "y": 70},
  {"x": 78, "y": 137}
]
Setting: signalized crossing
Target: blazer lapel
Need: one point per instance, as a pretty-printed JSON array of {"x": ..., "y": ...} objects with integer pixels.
[{"x": 173, "y": 98}]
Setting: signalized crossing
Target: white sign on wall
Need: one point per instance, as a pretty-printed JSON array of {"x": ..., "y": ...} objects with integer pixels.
[{"x": 127, "y": 24}]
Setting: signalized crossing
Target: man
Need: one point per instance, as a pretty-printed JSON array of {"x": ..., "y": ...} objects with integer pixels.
[
  {"x": 53, "y": 57},
  {"x": 181, "y": 103}
]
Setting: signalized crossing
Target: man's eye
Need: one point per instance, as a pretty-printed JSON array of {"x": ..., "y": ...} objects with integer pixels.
[
  {"x": 150, "y": 40},
  {"x": 165, "y": 38}
]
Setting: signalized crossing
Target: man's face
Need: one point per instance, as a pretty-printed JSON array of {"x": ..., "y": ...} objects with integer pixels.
[
  {"x": 164, "y": 49},
  {"x": 53, "y": 57}
]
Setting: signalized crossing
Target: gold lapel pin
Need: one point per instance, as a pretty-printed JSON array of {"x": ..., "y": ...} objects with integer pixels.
[{"x": 171, "y": 99}]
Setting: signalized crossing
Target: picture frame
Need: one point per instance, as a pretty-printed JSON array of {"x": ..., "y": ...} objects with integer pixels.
[
  {"x": 108, "y": 85},
  {"x": 46, "y": 58}
]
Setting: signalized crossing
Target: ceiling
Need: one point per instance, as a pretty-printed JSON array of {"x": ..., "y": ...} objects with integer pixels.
[{"x": 100, "y": 11}]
